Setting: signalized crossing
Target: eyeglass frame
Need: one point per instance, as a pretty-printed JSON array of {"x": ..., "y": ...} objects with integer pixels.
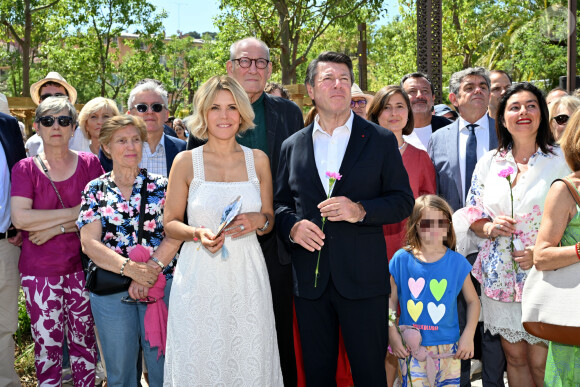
[
  {"x": 255, "y": 61},
  {"x": 557, "y": 119},
  {"x": 54, "y": 119},
  {"x": 361, "y": 103},
  {"x": 149, "y": 107}
]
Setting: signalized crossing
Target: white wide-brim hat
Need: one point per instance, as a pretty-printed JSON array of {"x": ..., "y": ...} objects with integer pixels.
[
  {"x": 355, "y": 91},
  {"x": 55, "y": 77}
]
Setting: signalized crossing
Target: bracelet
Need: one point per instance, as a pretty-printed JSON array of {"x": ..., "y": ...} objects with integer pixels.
[
  {"x": 195, "y": 239},
  {"x": 158, "y": 262},
  {"x": 123, "y": 267},
  {"x": 62, "y": 229},
  {"x": 578, "y": 250}
]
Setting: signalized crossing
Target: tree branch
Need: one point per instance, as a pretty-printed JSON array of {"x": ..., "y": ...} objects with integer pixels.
[{"x": 44, "y": 7}]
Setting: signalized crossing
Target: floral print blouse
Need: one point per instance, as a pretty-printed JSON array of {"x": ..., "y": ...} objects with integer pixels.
[
  {"x": 120, "y": 218},
  {"x": 489, "y": 196}
]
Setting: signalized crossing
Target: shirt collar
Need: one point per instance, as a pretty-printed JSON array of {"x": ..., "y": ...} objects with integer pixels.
[
  {"x": 482, "y": 123},
  {"x": 506, "y": 154},
  {"x": 347, "y": 125},
  {"x": 160, "y": 145}
]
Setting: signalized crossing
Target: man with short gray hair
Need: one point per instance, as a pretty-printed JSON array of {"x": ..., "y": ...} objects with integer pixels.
[{"x": 148, "y": 100}]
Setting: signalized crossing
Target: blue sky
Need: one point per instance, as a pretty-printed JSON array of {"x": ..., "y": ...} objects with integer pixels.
[{"x": 196, "y": 15}]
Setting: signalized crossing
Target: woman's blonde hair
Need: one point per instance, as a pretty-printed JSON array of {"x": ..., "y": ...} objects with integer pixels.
[
  {"x": 570, "y": 142},
  {"x": 113, "y": 124},
  {"x": 205, "y": 97},
  {"x": 412, "y": 237},
  {"x": 93, "y": 106}
]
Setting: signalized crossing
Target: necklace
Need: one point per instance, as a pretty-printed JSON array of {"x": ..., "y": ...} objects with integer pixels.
[{"x": 401, "y": 147}]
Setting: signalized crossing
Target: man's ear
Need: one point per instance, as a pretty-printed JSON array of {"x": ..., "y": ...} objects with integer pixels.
[
  {"x": 230, "y": 68},
  {"x": 453, "y": 99}
]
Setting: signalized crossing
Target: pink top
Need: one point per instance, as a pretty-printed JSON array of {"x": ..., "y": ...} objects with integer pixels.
[
  {"x": 60, "y": 255},
  {"x": 422, "y": 180}
]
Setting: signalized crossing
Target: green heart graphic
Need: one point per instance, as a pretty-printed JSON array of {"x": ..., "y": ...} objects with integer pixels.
[{"x": 438, "y": 288}]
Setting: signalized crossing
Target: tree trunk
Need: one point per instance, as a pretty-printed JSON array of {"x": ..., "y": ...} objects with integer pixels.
[{"x": 26, "y": 49}]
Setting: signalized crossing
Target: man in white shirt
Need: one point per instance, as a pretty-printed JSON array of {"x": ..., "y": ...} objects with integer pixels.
[
  {"x": 11, "y": 151},
  {"x": 421, "y": 94},
  {"x": 352, "y": 282},
  {"x": 454, "y": 151}
]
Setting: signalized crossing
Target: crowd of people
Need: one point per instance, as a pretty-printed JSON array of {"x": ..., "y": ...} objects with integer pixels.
[{"x": 378, "y": 239}]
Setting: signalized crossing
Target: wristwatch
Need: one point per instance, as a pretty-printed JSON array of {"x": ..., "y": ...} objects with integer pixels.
[
  {"x": 62, "y": 230},
  {"x": 265, "y": 227}
]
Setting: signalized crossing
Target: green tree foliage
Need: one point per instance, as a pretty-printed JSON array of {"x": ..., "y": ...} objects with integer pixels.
[
  {"x": 291, "y": 27},
  {"x": 26, "y": 24}
]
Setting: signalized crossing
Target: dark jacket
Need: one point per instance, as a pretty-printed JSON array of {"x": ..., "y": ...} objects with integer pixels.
[
  {"x": 354, "y": 254},
  {"x": 11, "y": 140}
]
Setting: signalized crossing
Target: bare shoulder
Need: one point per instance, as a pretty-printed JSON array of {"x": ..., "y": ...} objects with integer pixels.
[
  {"x": 260, "y": 158},
  {"x": 182, "y": 164}
]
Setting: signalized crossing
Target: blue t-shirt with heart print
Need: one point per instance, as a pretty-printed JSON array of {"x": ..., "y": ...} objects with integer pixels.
[{"x": 428, "y": 293}]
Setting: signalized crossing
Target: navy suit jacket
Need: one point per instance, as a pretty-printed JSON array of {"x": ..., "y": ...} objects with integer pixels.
[
  {"x": 355, "y": 253},
  {"x": 173, "y": 146},
  {"x": 438, "y": 122},
  {"x": 11, "y": 140},
  {"x": 444, "y": 152}
]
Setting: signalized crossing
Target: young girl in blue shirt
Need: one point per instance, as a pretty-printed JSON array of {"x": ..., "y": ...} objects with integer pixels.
[{"x": 426, "y": 278}]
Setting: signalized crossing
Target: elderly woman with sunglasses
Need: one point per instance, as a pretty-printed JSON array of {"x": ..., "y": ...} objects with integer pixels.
[
  {"x": 560, "y": 111},
  {"x": 109, "y": 221},
  {"x": 46, "y": 196}
]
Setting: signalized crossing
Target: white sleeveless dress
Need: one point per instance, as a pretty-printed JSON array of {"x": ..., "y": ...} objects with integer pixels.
[{"x": 221, "y": 329}]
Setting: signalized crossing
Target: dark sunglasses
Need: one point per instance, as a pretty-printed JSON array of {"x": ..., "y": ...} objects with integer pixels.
[
  {"x": 430, "y": 223},
  {"x": 361, "y": 103},
  {"x": 155, "y": 107},
  {"x": 45, "y": 96},
  {"x": 561, "y": 119},
  {"x": 48, "y": 121},
  {"x": 146, "y": 300}
]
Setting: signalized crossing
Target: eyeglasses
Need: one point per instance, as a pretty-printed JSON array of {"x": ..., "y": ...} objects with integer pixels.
[
  {"x": 432, "y": 223},
  {"x": 48, "y": 121},
  {"x": 143, "y": 107},
  {"x": 45, "y": 96},
  {"x": 561, "y": 119},
  {"x": 360, "y": 103},
  {"x": 146, "y": 300},
  {"x": 245, "y": 63}
]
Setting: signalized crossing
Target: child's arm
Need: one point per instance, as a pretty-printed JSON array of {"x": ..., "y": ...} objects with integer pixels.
[
  {"x": 395, "y": 340},
  {"x": 465, "y": 347}
]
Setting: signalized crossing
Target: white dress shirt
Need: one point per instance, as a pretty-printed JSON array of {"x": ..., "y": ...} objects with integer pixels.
[
  {"x": 420, "y": 137},
  {"x": 4, "y": 192},
  {"x": 482, "y": 136},
  {"x": 155, "y": 162},
  {"x": 329, "y": 149}
]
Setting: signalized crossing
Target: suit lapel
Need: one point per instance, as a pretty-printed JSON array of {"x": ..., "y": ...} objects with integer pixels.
[
  {"x": 356, "y": 143},
  {"x": 170, "y": 152},
  {"x": 492, "y": 134},
  {"x": 271, "y": 117},
  {"x": 454, "y": 157}
]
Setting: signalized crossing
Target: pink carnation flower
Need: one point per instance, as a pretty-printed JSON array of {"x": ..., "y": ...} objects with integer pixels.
[
  {"x": 333, "y": 175},
  {"x": 506, "y": 172}
]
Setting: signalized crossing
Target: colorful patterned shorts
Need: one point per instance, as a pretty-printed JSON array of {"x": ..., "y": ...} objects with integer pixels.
[{"x": 448, "y": 370}]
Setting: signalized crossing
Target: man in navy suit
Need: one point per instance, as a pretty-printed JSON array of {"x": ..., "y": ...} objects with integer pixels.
[
  {"x": 353, "y": 284},
  {"x": 469, "y": 92},
  {"x": 11, "y": 151},
  {"x": 148, "y": 100}
]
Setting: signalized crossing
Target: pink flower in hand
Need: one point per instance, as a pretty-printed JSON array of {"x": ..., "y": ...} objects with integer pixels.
[
  {"x": 333, "y": 175},
  {"x": 506, "y": 172}
]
